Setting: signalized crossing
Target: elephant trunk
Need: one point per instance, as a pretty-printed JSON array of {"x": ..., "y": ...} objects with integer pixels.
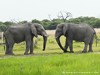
[
  {"x": 59, "y": 43},
  {"x": 44, "y": 43}
]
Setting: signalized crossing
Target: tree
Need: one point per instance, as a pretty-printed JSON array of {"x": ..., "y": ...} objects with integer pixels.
[
  {"x": 35, "y": 21},
  {"x": 64, "y": 15},
  {"x": 22, "y": 22},
  {"x": 97, "y": 23},
  {"x": 94, "y": 22},
  {"x": 8, "y": 23},
  {"x": 46, "y": 23},
  {"x": 3, "y": 27}
]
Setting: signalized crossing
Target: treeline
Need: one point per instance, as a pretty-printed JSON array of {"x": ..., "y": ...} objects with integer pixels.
[{"x": 51, "y": 24}]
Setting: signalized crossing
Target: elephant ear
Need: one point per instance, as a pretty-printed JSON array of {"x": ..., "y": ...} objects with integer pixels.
[
  {"x": 65, "y": 28},
  {"x": 34, "y": 30}
]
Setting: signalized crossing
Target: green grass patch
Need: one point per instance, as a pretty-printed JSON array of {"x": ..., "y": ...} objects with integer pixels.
[
  {"x": 52, "y": 61},
  {"x": 54, "y": 64}
]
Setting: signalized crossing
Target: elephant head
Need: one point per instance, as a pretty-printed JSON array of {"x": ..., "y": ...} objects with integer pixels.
[
  {"x": 61, "y": 29},
  {"x": 33, "y": 30},
  {"x": 38, "y": 29}
]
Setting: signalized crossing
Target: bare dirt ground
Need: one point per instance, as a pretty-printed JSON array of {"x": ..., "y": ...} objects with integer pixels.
[
  {"x": 97, "y": 30},
  {"x": 52, "y": 32}
]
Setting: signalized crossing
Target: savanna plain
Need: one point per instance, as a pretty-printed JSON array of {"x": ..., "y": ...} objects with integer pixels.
[{"x": 52, "y": 61}]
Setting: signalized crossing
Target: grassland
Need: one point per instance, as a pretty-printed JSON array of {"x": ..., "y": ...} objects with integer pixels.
[{"x": 52, "y": 61}]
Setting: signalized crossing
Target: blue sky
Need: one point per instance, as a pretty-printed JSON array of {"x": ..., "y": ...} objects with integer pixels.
[{"x": 18, "y": 10}]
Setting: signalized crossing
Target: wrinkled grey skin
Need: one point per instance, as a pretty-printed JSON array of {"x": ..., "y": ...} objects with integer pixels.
[
  {"x": 24, "y": 32},
  {"x": 79, "y": 32}
]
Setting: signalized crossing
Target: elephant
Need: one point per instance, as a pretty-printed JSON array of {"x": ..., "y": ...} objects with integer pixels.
[
  {"x": 78, "y": 32},
  {"x": 24, "y": 32}
]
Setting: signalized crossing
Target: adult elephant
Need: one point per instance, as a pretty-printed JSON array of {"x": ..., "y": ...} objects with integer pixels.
[
  {"x": 24, "y": 32},
  {"x": 79, "y": 32}
]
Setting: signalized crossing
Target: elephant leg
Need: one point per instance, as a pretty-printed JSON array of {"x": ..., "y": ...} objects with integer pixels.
[
  {"x": 7, "y": 48},
  {"x": 90, "y": 45},
  {"x": 70, "y": 44},
  {"x": 90, "y": 48},
  {"x": 10, "y": 51},
  {"x": 85, "y": 48},
  {"x": 28, "y": 44},
  {"x": 31, "y": 47},
  {"x": 66, "y": 45}
]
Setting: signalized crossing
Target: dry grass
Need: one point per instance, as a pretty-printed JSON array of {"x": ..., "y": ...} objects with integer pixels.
[
  {"x": 97, "y": 30},
  {"x": 50, "y": 32}
]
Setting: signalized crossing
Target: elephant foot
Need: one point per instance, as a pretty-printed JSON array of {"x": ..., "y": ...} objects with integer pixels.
[
  {"x": 32, "y": 53},
  {"x": 9, "y": 53},
  {"x": 43, "y": 49},
  {"x": 25, "y": 53},
  {"x": 84, "y": 51},
  {"x": 66, "y": 51},
  {"x": 71, "y": 51},
  {"x": 90, "y": 51}
]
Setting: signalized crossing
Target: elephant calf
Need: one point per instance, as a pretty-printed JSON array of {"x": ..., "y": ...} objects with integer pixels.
[
  {"x": 24, "y": 32},
  {"x": 79, "y": 32}
]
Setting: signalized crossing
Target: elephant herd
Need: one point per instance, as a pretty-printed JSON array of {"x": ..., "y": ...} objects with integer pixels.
[{"x": 27, "y": 32}]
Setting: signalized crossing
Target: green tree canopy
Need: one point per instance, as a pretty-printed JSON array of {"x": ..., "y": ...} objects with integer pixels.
[{"x": 51, "y": 24}]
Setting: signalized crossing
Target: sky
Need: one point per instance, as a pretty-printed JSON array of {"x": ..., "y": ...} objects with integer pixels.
[{"x": 19, "y": 10}]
